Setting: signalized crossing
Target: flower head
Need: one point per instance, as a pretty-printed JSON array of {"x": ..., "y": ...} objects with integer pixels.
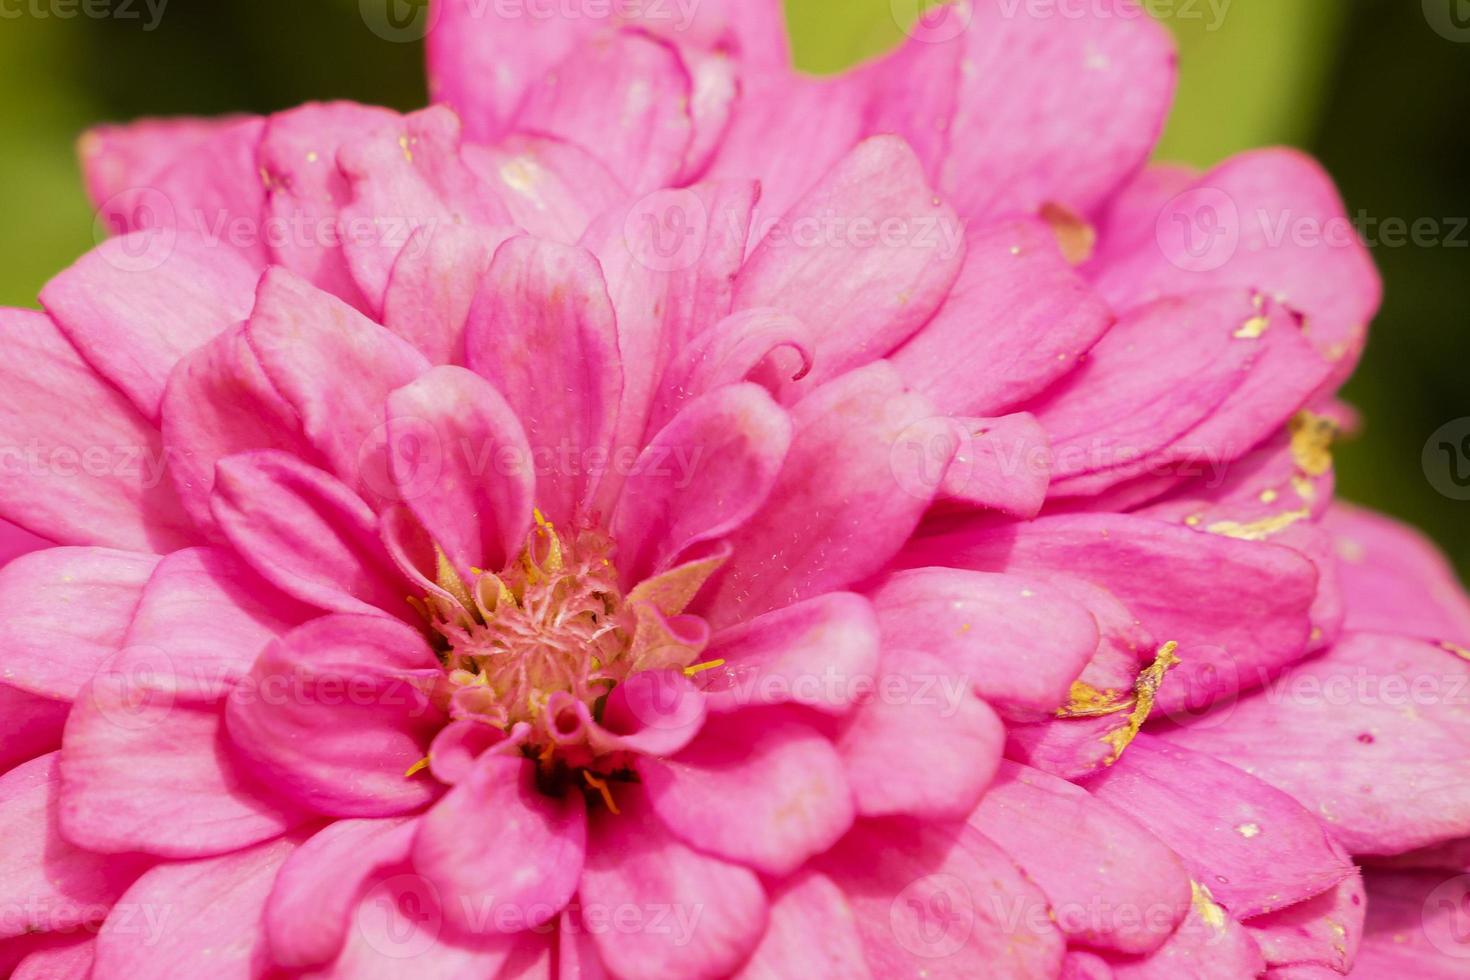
[{"x": 656, "y": 514}]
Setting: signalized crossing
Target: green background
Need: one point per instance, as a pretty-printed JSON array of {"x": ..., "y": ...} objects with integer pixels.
[{"x": 1367, "y": 85}]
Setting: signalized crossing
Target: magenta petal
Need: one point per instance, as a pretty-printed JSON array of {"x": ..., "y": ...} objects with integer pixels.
[
  {"x": 653, "y": 712},
  {"x": 219, "y": 402},
  {"x": 144, "y": 773},
  {"x": 1373, "y": 736},
  {"x": 794, "y": 799},
  {"x": 91, "y": 469},
  {"x": 1254, "y": 847},
  {"x": 1002, "y": 465},
  {"x": 1322, "y": 932},
  {"x": 334, "y": 716},
  {"x": 1414, "y": 928},
  {"x": 1259, "y": 203},
  {"x": 433, "y": 283},
  {"x": 700, "y": 478},
  {"x": 49, "y": 649},
  {"x": 920, "y": 705},
  {"x": 811, "y": 934},
  {"x": 1019, "y": 643},
  {"x": 849, "y": 519},
  {"x": 46, "y": 883},
  {"x": 461, "y": 462},
  {"x": 305, "y": 190},
  {"x": 29, "y": 725},
  {"x": 821, "y": 653},
  {"x": 1040, "y": 91},
  {"x": 66, "y": 960},
  {"x": 1018, "y": 318},
  {"x": 529, "y": 861},
  {"x": 307, "y": 534},
  {"x": 627, "y": 98},
  {"x": 1112, "y": 884},
  {"x": 336, "y": 368},
  {"x": 1395, "y": 580},
  {"x": 1171, "y": 579},
  {"x": 405, "y": 177},
  {"x": 633, "y": 861},
  {"x": 206, "y": 918},
  {"x": 1210, "y": 944},
  {"x": 942, "y": 901},
  {"x": 319, "y": 886},
  {"x": 542, "y": 331},
  {"x": 863, "y": 259},
  {"x": 134, "y": 320},
  {"x": 115, "y": 159},
  {"x": 552, "y": 188}
]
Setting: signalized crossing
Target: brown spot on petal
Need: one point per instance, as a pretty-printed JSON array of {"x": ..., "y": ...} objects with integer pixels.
[{"x": 1076, "y": 237}]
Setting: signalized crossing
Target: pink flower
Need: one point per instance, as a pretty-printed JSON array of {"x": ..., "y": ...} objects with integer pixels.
[{"x": 664, "y": 516}]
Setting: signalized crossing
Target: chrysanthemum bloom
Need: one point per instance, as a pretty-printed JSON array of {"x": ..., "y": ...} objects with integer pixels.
[{"x": 657, "y": 515}]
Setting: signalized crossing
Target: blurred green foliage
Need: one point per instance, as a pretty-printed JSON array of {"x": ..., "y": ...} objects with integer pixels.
[{"x": 1365, "y": 84}]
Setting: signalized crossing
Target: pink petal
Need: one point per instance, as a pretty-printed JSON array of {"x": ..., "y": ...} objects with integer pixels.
[
  {"x": 46, "y": 883},
  {"x": 794, "y": 799},
  {"x": 542, "y": 331},
  {"x": 133, "y": 319},
  {"x": 115, "y": 159},
  {"x": 670, "y": 260},
  {"x": 701, "y": 478},
  {"x": 811, "y": 933},
  {"x": 1415, "y": 927},
  {"x": 1395, "y": 580},
  {"x": 823, "y": 116},
  {"x": 336, "y": 368},
  {"x": 653, "y": 712},
  {"x": 1270, "y": 221},
  {"x": 318, "y": 888},
  {"x": 764, "y": 346},
  {"x": 714, "y": 98},
  {"x": 305, "y": 191},
  {"x": 49, "y": 649},
  {"x": 405, "y": 177},
  {"x": 1017, "y": 319},
  {"x": 219, "y": 402},
  {"x": 1372, "y": 736},
  {"x": 69, "y": 961},
  {"x": 625, "y": 96},
  {"x": 1002, "y": 465},
  {"x": 145, "y": 774},
  {"x": 825, "y": 528},
  {"x": 551, "y": 188},
  {"x": 433, "y": 284},
  {"x": 632, "y": 861},
  {"x": 1112, "y": 883},
  {"x": 462, "y": 464},
  {"x": 206, "y": 919},
  {"x": 1038, "y": 92},
  {"x": 309, "y": 535},
  {"x": 15, "y": 541},
  {"x": 1171, "y": 579},
  {"x": 943, "y": 902},
  {"x": 334, "y": 716},
  {"x": 820, "y": 654},
  {"x": 209, "y": 187},
  {"x": 1320, "y": 932},
  {"x": 30, "y": 725},
  {"x": 1210, "y": 944},
  {"x": 920, "y": 705},
  {"x": 1019, "y": 643},
  {"x": 90, "y": 468},
  {"x": 863, "y": 259},
  {"x": 1155, "y": 376},
  {"x": 1254, "y": 847},
  {"x": 530, "y": 864}
]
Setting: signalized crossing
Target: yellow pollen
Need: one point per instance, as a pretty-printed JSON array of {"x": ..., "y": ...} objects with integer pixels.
[
  {"x": 416, "y": 768},
  {"x": 694, "y": 669}
]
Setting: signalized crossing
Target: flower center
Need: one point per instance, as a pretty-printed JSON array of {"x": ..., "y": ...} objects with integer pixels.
[{"x": 531, "y": 644}]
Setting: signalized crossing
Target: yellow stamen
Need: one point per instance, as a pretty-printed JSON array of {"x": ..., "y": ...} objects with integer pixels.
[
  {"x": 601, "y": 786},
  {"x": 416, "y": 768},
  {"x": 694, "y": 669},
  {"x": 1145, "y": 690}
]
